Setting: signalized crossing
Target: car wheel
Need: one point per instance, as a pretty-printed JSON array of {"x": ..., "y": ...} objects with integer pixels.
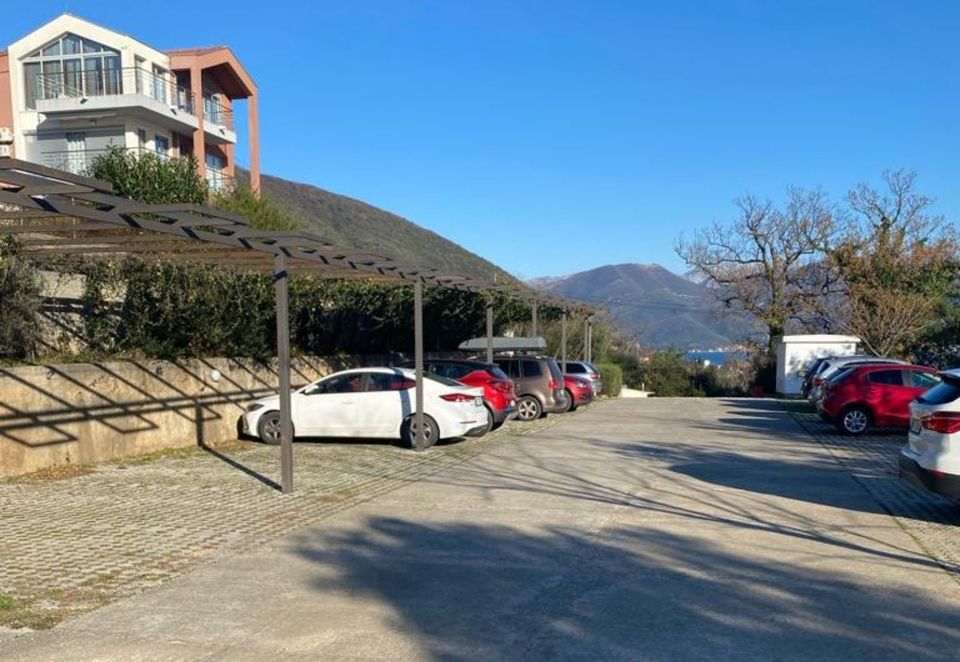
[
  {"x": 431, "y": 432},
  {"x": 528, "y": 408},
  {"x": 268, "y": 428},
  {"x": 855, "y": 420},
  {"x": 570, "y": 406}
]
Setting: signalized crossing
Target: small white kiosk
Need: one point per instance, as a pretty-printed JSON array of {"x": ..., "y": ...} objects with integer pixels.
[{"x": 796, "y": 353}]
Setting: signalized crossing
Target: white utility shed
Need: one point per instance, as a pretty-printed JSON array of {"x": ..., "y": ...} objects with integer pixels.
[{"x": 796, "y": 353}]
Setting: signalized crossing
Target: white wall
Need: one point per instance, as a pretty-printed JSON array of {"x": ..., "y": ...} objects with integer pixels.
[
  {"x": 796, "y": 353},
  {"x": 25, "y": 121}
]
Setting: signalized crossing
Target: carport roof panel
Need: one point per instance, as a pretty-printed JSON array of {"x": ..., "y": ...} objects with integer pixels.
[
  {"x": 44, "y": 204},
  {"x": 52, "y": 199},
  {"x": 506, "y": 344}
]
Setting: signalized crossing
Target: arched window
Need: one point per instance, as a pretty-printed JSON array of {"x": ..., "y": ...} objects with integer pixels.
[{"x": 71, "y": 66}]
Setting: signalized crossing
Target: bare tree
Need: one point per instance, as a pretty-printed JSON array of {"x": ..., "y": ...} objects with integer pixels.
[{"x": 770, "y": 261}]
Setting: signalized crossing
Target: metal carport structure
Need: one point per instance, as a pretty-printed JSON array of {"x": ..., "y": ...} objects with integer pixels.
[{"x": 57, "y": 213}]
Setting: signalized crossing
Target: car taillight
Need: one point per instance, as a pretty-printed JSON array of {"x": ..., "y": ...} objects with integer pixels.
[
  {"x": 458, "y": 397},
  {"x": 944, "y": 422},
  {"x": 502, "y": 386},
  {"x": 594, "y": 376},
  {"x": 553, "y": 385}
]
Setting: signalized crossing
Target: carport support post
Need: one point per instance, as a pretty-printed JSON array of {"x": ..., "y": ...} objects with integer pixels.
[
  {"x": 489, "y": 332},
  {"x": 586, "y": 339},
  {"x": 563, "y": 342},
  {"x": 281, "y": 281},
  {"x": 533, "y": 319},
  {"x": 418, "y": 442}
]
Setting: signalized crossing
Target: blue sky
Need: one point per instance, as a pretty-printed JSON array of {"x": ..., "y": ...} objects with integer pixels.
[{"x": 552, "y": 137}]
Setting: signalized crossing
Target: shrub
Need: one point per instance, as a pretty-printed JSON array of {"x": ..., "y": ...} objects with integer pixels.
[
  {"x": 612, "y": 376},
  {"x": 19, "y": 302},
  {"x": 261, "y": 212},
  {"x": 149, "y": 177}
]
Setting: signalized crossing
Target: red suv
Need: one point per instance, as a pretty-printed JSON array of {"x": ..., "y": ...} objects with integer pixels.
[
  {"x": 861, "y": 397},
  {"x": 579, "y": 391},
  {"x": 499, "y": 394}
]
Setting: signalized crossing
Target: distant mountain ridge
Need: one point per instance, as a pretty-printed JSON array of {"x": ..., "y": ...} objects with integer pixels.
[
  {"x": 354, "y": 224},
  {"x": 652, "y": 305}
]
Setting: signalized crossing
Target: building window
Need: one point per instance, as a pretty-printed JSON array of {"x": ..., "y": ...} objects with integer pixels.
[
  {"x": 159, "y": 91},
  {"x": 76, "y": 156},
  {"x": 141, "y": 139},
  {"x": 161, "y": 145},
  {"x": 71, "y": 66}
]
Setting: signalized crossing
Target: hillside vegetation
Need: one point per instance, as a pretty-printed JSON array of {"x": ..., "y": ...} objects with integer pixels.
[{"x": 354, "y": 224}]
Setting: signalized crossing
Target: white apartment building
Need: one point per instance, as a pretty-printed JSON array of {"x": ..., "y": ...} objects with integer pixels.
[{"x": 71, "y": 88}]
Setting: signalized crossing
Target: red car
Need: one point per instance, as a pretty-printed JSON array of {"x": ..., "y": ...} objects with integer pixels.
[
  {"x": 579, "y": 391},
  {"x": 862, "y": 397},
  {"x": 499, "y": 394}
]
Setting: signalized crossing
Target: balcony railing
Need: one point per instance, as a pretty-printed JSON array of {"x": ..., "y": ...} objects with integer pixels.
[
  {"x": 79, "y": 162},
  {"x": 216, "y": 113},
  {"x": 220, "y": 181},
  {"x": 110, "y": 82}
]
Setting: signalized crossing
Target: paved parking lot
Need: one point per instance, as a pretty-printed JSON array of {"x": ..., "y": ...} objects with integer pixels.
[
  {"x": 638, "y": 529},
  {"x": 933, "y": 521},
  {"x": 75, "y": 544}
]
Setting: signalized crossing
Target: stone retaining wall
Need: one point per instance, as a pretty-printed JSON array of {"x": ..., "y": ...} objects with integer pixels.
[{"x": 81, "y": 413}]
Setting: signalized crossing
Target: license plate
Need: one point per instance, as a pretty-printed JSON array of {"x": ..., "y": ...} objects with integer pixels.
[{"x": 915, "y": 425}]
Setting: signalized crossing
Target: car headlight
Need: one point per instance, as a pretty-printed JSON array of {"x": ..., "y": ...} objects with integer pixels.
[{"x": 255, "y": 406}]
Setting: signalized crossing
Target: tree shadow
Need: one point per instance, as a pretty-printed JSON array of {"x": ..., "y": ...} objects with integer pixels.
[{"x": 465, "y": 591}]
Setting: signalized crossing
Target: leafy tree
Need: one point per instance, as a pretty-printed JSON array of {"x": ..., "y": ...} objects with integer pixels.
[
  {"x": 260, "y": 211},
  {"x": 898, "y": 264},
  {"x": 150, "y": 177},
  {"x": 19, "y": 302}
]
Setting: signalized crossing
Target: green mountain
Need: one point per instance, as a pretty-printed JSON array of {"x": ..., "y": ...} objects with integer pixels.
[
  {"x": 350, "y": 223},
  {"x": 652, "y": 305}
]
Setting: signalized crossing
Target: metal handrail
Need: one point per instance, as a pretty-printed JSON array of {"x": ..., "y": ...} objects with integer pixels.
[
  {"x": 216, "y": 113},
  {"x": 219, "y": 180},
  {"x": 79, "y": 161},
  {"x": 109, "y": 82}
]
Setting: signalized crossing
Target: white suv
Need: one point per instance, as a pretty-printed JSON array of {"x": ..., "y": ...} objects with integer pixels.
[{"x": 931, "y": 457}]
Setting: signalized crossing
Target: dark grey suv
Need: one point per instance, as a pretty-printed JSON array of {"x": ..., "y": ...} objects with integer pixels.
[{"x": 539, "y": 385}]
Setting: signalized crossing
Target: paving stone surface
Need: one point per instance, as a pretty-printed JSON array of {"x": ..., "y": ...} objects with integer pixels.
[
  {"x": 72, "y": 545},
  {"x": 933, "y": 521}
]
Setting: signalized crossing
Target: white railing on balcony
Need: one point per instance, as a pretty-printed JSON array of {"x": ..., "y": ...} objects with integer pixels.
[
  {"x": 80, "y": 161},
  {"x": 219, "y": 180},
  {"x": 108, "y": 82}
]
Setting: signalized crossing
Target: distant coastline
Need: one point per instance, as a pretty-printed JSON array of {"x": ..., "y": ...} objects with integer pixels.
[{"x": 717, "y": 356}]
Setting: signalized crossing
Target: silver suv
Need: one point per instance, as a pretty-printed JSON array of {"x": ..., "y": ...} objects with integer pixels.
[{"x": 539, "y": 385}]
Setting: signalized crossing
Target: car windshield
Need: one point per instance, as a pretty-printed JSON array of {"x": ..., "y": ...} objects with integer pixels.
[
  {"x": 555, "y": 370},
  {"x": 496, "y": 372},
  {"x": 945, "y": 392},
  {"x": 840, "y": 375}
]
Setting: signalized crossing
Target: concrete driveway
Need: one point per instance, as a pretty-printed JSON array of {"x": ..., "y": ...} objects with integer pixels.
[{"x": 641, "y": 529}]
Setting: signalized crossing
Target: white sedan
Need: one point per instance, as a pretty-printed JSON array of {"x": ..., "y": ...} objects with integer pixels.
[{"x": 371, "y": 402}]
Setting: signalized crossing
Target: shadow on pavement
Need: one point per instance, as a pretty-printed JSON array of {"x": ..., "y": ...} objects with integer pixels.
[{"x": 492, "y": 592}]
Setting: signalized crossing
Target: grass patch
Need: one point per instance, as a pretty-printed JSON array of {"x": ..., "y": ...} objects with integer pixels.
[
  {"x": 64, "y": 472},
  {"x": 7, "y": 603},
  {"x": 69, "y": 471},
  {"x": 17, "y": 614}
]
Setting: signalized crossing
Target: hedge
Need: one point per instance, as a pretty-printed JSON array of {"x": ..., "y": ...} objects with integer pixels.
[{"x": 612, "y": 375}]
